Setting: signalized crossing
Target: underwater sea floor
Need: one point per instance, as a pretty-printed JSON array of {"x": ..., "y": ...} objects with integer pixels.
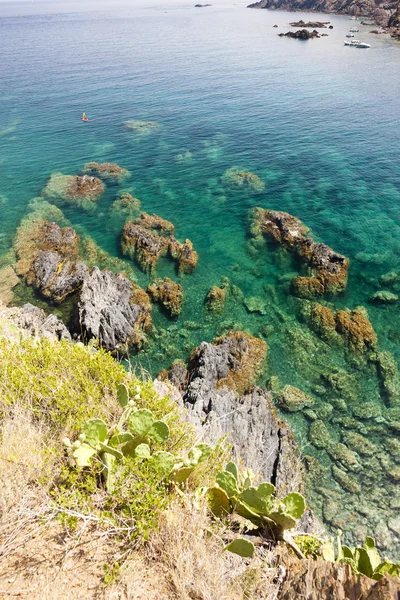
[{"x": 220, "y": 90}]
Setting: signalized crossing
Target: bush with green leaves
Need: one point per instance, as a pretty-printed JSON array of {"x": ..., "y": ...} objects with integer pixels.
[
  {"x": 234, "y": 493},
  {"x": 363, "y": 560},
  {"x": 136, "y": 435}
]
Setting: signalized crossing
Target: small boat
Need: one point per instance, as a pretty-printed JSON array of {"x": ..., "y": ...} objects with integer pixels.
[
  {"x": 353, "y": 18},
  {"x": 349, "y": 35},
  {"x": 351, "y": 42},
  {"x": 84, "y": 117},
  {"x": 354, "y": 29},
  {"x": 363, "y": 45}
]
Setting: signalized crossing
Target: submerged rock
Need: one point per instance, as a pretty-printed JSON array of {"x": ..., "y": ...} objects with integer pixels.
[
  {"x": 328, "y": 269},
  {"x": 352, "y": 327},
  {"x": 255, "y": 305},
  {"x": 108, "y": 311},
  {"x": 142, "y": 127},
  {"x": 149, "y": 237},
  {"x": 126, "y": 205},
  {"x": 389, "y": 279},
  {"x": 168, "y": 293},
  {"x": 292, "y": 399},
  {"x": 73, "y": 189},
  {"x": 109, "y": 171},
  {"x": 236, "y": 178},
  {"x": 8, "y": 281},
  {"x": 384, "y": 297},
  {"x": 216, "y": 298}
]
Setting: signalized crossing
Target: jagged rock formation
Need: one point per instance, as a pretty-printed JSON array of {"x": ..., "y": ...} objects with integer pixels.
[
  {"x": 328, "y": 269},
  {"x": 210, "y": 396},
  {"x": 32, "y": 321},
  {"x": 107, "y": 311},
  {"x": 149, "y": 237},
  {"x": 384, "y": 12},
  {"x": 106, "y": 305}
]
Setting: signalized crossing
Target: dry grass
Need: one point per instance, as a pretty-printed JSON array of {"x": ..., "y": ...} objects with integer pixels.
[
  {"x": 26, "y": 466},
  {"x": 195, "y": 566}
]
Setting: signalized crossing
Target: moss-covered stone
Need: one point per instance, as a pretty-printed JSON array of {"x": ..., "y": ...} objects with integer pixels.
[
  {"x": 384, "y": 297},
  {"x": 74, "y": 190},
  {"x": 341, "y": 454},
  {"x": 254, "y": 304},
  {"x": 236, "y": 178},
  {"x": 292, "y": 399},
  {"x": 346, "y": 481},
  {"x": 359, "y": 443},
  {"x": 216, "y": 299},
  {"x": 319, "y": 435},
  {"x": 389, "y": 378},
  {"x": 389, "y": 279},
  {"x": 108, "y": 171},
  {"x": 126, "y": 205},
  {"x": 168, "y": 293},
  {"x": 367, "y": 410}
]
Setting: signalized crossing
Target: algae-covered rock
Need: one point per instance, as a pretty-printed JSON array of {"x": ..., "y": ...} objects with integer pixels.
[
  {"x": 389, "y": 279},
  {"x": 327, "y": 269},
  {"x": 142, "y": 128},
  {"x": 359, "y": 443},
  {"x": 292, "y": 399},
  {"x": 236, "y": 178},
  {"x": 330, "y": 510},
  {"x": 367, "y": 410},
  {"x": 108, "y": 171},
  {"x": 149, "y": 237},
  {"x": 346, "y": 481},
  {"x": 384, "y": 297},
  {"x": 393, "y": 447},
  {"x": 389, "y": 378},
  {"x": 216, "y": 298},
  {"x": 255, "y": 304},
  {"x": 168, "y": 293},
  {"x": 340, "y": 453},
  {"x": 355, "y": 327},
  {"x": 8, "y": 281},
  {"x": 319, "y": 435},
  {"x": 324, "y": 411},
  {"x": 74, "y": 190},
  {"x": 126, "y": 205}
]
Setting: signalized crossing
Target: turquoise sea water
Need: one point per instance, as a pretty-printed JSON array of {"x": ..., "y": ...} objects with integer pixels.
[{"x": 316, "y": 121}]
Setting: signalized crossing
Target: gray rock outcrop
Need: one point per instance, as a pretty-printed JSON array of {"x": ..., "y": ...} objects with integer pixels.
[
  {"x": 34, "y": 322},
  {"x": 107, "y": 311}
]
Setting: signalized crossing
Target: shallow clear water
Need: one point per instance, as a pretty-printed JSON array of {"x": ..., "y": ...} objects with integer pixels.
[{"x": 316, "y": 121}]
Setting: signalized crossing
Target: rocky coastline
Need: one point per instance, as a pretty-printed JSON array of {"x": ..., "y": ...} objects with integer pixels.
[{"x": 384, "y": 14}]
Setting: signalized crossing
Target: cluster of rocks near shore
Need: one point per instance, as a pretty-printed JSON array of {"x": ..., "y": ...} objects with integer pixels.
[{"x": 386, "y": 14}]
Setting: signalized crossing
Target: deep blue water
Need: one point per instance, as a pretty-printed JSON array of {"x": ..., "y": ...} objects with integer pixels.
[{"x": 316, "y": 121}]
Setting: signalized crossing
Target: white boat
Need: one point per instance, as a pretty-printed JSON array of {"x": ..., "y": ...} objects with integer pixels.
[
  {"x": 353, "y": 18},
  {"x": 349, "y": 35},
  {"x": 356, "y": 44},
  {"x": 354, "y": 29}
]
